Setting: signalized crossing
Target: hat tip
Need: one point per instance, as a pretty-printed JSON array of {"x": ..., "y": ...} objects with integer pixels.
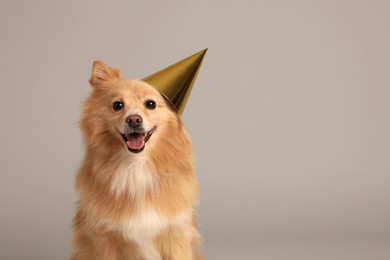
[{"x": 175, "y": 82}]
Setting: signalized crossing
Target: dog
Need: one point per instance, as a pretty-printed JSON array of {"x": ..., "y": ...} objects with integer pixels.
[{"x": 137, "y": 186}]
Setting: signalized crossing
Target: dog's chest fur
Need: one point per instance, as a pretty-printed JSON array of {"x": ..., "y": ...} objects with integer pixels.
[
  {"x": 142, "y": 228},
  {"x": 136, "y": 180},
  {"x": 134, "y": 177}
]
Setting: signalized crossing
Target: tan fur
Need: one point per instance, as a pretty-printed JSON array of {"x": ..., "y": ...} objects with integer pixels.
[{"x": 134, "y": 206}]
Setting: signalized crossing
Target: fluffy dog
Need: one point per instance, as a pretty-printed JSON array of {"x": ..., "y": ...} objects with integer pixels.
[{"x": 136, "y": 185}]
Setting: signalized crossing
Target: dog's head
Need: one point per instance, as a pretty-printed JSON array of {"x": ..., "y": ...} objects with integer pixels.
[{"x": 125, "y": 114}]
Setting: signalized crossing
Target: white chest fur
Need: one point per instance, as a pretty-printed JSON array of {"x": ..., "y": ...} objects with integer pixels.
[
  {"x": 144, "y": 226},
  {"x": 134, "y": 176}
]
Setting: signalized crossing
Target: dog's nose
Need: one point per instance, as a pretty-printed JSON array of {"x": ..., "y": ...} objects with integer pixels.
[{"x": 134, "y": 120}]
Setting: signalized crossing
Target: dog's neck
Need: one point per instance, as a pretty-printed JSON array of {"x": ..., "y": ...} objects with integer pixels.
[{"x": 134, "y": 177}]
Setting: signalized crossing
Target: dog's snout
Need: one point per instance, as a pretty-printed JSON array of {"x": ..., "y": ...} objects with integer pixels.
[{"x": 134, "y": 120}]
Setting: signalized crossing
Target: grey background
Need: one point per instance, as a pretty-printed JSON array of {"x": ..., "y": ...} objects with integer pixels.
[{"x": 289, "y": 117}]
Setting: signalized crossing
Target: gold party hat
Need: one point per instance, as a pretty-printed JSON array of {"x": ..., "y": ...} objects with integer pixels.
[{"x": 175, "y": 82}]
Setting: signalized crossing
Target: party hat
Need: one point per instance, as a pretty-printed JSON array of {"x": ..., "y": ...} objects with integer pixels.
[{"x": 175, "y": 82}]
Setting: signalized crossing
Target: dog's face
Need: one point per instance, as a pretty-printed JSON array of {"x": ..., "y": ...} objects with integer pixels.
[
  {"x": 127, "y": 114},
  {"x": 137, "y": 112}
]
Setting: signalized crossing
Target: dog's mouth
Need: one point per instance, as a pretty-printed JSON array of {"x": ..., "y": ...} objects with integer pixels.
[{"x": 136, "y": 141}]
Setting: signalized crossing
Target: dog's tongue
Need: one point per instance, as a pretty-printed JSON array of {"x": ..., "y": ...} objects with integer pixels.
[{"x": 135, "y": 141}]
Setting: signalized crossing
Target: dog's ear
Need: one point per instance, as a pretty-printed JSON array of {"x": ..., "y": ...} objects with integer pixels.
[{"x": 102, "y": 73}]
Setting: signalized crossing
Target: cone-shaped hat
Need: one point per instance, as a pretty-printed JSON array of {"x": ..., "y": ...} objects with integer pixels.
[{"x": 175, "y": 82}]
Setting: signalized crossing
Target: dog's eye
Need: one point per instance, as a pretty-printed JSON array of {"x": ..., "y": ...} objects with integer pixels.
[
  {"x": 150, "y": 104},
  {"x": 118, "y": 105}
]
